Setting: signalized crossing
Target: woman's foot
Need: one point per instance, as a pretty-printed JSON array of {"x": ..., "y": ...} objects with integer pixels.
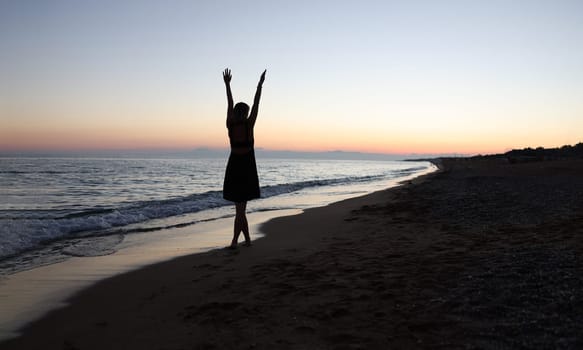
[{"x": 247, "y": 244}]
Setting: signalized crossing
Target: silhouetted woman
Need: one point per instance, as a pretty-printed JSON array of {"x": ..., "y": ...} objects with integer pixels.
[{"x": 241, "y": 181}]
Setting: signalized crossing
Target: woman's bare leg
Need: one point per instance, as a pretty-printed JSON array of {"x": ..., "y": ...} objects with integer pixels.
[
  {"x": 245, "y": 225},
  {"x": 240, "y": 223}
]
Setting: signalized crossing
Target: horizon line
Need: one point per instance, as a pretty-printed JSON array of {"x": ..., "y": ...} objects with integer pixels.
[{"x": 211, "y": 151}]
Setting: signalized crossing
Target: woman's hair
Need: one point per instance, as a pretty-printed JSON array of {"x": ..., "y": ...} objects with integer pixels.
[{"x": 240, "y": 111}]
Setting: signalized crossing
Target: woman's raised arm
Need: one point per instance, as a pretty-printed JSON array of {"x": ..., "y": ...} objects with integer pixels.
[
  {"x": 227, "y": 79},
  {"x": 255, "y": 108}
]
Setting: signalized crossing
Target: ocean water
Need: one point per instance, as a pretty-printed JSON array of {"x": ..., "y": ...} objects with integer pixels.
[{"x": 54, "y": 208}]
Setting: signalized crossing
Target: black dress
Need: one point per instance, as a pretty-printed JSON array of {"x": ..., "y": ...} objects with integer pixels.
[{"x": 241, "y": 180}]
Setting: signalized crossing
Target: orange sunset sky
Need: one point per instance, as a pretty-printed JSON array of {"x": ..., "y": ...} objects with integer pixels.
[{"x": 368, "y": 76}]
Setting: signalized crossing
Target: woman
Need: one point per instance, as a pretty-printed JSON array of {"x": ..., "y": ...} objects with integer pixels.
[{"x": 241, "y": 181}]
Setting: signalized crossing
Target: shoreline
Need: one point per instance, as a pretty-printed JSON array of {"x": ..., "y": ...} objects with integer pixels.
[
  {"x": 30, "y": 295},
  {"x": 484, "y": 254},
  {"x": 102, "y": 291}
]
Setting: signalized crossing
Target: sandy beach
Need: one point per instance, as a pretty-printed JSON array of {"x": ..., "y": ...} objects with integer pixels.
[{"x": 484, "y": 254}]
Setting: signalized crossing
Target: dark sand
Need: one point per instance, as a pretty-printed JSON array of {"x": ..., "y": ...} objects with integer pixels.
[{"x": 482, "y": 255}]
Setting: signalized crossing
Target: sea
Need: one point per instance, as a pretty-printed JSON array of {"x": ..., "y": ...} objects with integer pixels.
[{"x": 52, "y": 209}]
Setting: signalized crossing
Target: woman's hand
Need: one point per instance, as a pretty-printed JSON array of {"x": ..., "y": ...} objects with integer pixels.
[
  {"x": 227, "y": 76},
  {"x": 262, "y": 78}
]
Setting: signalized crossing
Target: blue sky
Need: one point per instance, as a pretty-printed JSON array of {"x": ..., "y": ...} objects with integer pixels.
[{"x": 381, "y": 76}]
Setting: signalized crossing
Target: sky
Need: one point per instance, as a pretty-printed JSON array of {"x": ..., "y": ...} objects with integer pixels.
[{"x": 367, "y": 76}]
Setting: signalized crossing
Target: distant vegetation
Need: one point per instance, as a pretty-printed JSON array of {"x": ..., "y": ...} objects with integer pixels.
[
  {"x": 539, "y": 154},
  {"x": 524, "y": 155}
]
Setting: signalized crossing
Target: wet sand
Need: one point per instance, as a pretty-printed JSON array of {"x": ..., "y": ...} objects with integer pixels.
[
  {"x": 30, "y": 294},
  {"x": 484, "y": 254}
]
